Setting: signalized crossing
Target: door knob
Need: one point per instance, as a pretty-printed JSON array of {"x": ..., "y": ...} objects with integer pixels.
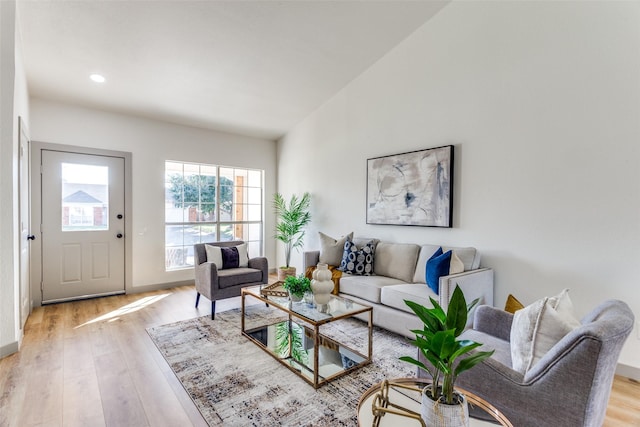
[
  {"x": 119, "y": 216},
  {"x": 31, "y": 237},
  {"x": 119, "y": 235}
]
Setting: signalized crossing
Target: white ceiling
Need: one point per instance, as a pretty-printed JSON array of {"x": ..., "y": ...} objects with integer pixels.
[{"x": 254, "y": 68}]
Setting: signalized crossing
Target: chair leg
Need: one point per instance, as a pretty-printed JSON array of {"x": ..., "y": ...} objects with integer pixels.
[
  {"x": 213, "y": 310},
  {"x": 197, "y": 299}
]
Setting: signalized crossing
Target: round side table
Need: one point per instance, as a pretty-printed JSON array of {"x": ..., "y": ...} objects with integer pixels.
[{"x": 403, "y": 405}]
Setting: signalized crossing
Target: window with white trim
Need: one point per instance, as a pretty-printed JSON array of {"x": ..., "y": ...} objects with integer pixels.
[{"x": 207, "y": 203}]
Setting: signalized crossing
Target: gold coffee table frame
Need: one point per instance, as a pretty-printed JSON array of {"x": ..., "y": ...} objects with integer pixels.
[
  {"x": 397, "y": 402},
  {"x": 311, "y": 319}
]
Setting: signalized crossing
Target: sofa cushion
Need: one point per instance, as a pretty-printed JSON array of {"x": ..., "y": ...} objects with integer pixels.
[
  {"x": 538, "y": 327},
  {"x": 469, "y": 257},
  {"x": 331, "y": 249},
  {"x": 366, "y": 287},
  {"x": 396, "y": 260},
  {"x": 358, "y": 260},
  {"x": 394, "y": 296}
]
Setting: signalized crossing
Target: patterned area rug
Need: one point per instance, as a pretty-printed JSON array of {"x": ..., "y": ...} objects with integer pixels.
[{"x": 235, "y": 383}]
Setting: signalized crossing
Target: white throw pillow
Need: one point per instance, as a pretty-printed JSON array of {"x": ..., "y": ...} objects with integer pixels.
[
  {"x": 455, "y": 265},
  {"x": 214, "y": 255},
  {"x": 538, "y": 327},
  {"x": 331, "y": 249},
  {"x": 243, "y": 255}
]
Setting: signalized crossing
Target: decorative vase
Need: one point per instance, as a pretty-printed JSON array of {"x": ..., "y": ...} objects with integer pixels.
[
  {"x": 284, "y": 272},
  {"x": 321, "y": 284},
  {"x": 438, "y": 414},
  {"x": 294, "y": 297}
]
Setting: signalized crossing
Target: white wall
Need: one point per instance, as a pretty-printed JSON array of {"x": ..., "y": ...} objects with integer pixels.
[
  {"x": 542, "y": 103},
  {"x": 13, "y": 103},
  {"x": 151, "y": 143}
]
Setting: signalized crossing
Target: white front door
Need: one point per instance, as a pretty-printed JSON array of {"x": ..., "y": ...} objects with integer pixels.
[{"x": 83, "y": 250}]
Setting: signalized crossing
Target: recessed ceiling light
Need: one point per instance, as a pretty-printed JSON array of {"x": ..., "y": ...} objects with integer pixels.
[{"x": 98, "y": 78}]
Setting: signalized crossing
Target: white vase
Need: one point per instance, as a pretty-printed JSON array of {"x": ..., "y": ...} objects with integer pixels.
[
  {"x": 438, "y": 414},
  {"x": 321, "y": 284}
]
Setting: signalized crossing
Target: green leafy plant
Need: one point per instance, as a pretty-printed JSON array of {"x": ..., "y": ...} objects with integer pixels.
[
  {"x": 292, "y": 217},
  {"x": 438, "y": 342},
  {"x": 297, "y": 285},
  {"x": 289, "y": 342}
]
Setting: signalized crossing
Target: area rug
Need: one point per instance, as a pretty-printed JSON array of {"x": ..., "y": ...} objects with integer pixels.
[{"x": 235, "y": 383}]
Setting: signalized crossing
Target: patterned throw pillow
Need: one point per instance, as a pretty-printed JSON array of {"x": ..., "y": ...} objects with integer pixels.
[{"x": 358, "y": 261}]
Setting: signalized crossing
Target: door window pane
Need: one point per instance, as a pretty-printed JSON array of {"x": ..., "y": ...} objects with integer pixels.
[{"x": 85, "y": 197}]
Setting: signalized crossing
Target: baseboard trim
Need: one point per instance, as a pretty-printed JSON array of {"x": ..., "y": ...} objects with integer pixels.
[
  {"x": 9, "y": 349},
  {"x": 159, "y": 286},
  {"x": 628, "y": 371}
]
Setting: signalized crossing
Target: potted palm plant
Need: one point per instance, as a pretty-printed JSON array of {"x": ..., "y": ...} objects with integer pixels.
[
  {"x": 292, "y": 218},
  {"x": 438, "y": 343}
]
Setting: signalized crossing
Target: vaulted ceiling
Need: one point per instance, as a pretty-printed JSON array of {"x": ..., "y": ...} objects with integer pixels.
[{"x": 255, "y": 68}]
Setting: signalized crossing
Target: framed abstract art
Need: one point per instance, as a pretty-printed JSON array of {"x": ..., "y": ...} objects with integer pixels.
[{"x": 414, "y": 188}]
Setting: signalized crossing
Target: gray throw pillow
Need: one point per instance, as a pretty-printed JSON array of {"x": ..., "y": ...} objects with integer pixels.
[{"x": 331, "y": 249}]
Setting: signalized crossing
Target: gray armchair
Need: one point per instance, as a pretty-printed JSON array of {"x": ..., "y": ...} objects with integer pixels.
[
  {"x": 216, "y": 284},
  {"x": 569, "y": 386}
]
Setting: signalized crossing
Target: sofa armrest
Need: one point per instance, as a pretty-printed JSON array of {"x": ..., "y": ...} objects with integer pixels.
[
  {"x": 261, "y": 263},
  {"x": 474, "y": 284},
  {"x": 493, "y": 321},
  {"x": 206, "y": 278},
  {"x": 311, "y": 258}
]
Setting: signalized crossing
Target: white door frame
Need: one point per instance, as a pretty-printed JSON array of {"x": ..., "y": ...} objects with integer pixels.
[
  {"x": 36, "y": 211},
  {"x": 24, "y": 208}
]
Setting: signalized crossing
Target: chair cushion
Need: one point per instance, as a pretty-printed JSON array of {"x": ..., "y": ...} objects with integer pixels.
[
  {"x": 489, "y": 342},
  {"x": 538, "y": 327},
  {"x": 331, "y": 249},
  {"x": 238, "y": 276}
]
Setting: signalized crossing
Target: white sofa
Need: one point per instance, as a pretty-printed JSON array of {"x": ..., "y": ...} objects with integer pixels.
[{"x": 399, "y": 274}]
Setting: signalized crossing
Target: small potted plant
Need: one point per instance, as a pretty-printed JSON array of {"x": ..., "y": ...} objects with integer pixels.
[
  {"x": 292, "y": 218},
  {"x": 438, "y": 343},
  {"x": 297, "y": 286}
]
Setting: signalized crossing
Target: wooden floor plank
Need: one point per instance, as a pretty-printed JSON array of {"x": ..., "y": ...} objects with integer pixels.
[{"x": 91, "y": 363}]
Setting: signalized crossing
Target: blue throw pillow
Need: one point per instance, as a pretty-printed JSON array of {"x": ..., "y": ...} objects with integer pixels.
[{"x": 437, "y": 265}]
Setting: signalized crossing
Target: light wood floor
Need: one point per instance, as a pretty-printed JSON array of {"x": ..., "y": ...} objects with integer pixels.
[{"x": 91, "y": 363}]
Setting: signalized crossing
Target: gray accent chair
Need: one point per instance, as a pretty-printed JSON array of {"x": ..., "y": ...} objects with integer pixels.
[
  {"x": 569, "y": 386},
  {"x": 217, "y": 284}
]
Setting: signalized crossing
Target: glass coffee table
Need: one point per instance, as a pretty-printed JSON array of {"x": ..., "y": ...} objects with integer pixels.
[
  {"x": 398, "y": 402},
  {"x": 294, "y": 337}
]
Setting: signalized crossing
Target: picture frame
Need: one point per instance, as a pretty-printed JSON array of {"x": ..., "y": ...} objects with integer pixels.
[{"x": 413, "y": 188}]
